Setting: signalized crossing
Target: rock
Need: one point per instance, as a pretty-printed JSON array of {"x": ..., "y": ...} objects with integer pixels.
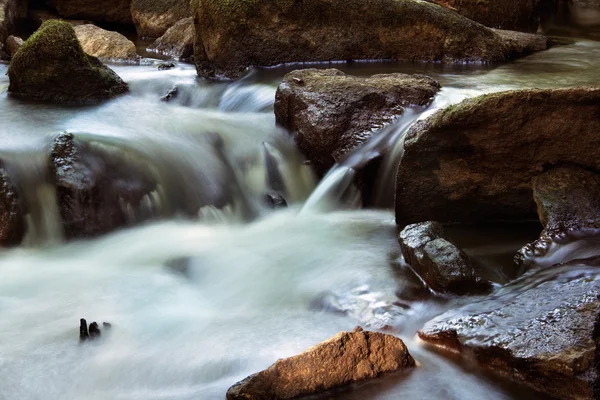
[
  {"x": 52, "y": 66},
  {"x": 541, "y": 330},
  {"x": 568, "y": 205},
  {"x": 106, "y": 45},
  {"x": 341, "y": 360},
  {"x": 331, "y": 113},
  {"x": 165, "y": 66},
  {"x": 439, "y": 263},
  {"x": 12, "y": 212},
  {"x": 275, "y": 200},
  {"x": 12, "y": 44},
  {"x": 505, "y": 14},
  {"x": 171, "y": 94},
  {"x": 99, "y": 191},
  {"x": 112, "y": 11},
  {"x": 474, "y": 161},
  {"x": 178, "y": 40},
  {"x": 9, "y": 14},
  {"x": 152, "y": 18},
  {"x": 232, "y": 36},
  {"x": 39, "y": 16}
]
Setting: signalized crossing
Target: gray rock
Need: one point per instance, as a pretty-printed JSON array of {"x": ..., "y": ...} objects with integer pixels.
[
  {"x": 541, "y": 330},
  {"x": 12, "y": 44}
]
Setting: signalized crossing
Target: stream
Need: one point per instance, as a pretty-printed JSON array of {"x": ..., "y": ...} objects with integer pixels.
[{"x": 196, "y": 306}]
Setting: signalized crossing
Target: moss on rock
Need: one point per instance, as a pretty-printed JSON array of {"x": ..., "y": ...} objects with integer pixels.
[{"x": 52, "y": 66}]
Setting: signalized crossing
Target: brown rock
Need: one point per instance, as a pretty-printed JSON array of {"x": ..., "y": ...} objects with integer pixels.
[
  {"x": 503, "y": 14},
  {"x": 13, "y": 43},
  {"x": 341, "y": 360},
  {"x": 115, "y": 11},
  {"x": 10, "y": 12},
  {"x": 12, "y": 212},
  {"x": 331, "y": 113},
  {"x": 178, "y": 41},
  {"x": 152, "y": 18},
  {"x": 474, "y": 161},
  {"x": 439, "y": 263},
  {"x": 39, "y": 16},
  {"x": 108, "y": 46},
  {"x": 546, "y": 337},
  {"x": 231, "y": 36}
]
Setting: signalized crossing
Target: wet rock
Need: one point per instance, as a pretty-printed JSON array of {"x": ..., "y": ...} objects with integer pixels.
[
  {"x": 505, "y": 14},
  {"x": 152, "y": 18},
  {"x": 275, "y": 200},
  {"x": 178, "y": 41},
  {"x": 474, "y": 161},
  {"x": 9, "y": 14},
  {"x": 165, "y": 66},
  {"x": 231, "y": 36},
  {"x": 93, "y": 332},
  {"x": 12, "y": 44},
  {"x": 108, "y": 46},
  {"x": 114, "y": 11},
  {"x": 12, "y": 212},
  {"x": 442, "y": 265},
  {"x": 52, "y": 66},
  {"x": 331, "y": 113},
  {"x": 171, "y": 94},
  {"x": 99, "y": 191},
  {"x": 341, "y": 360},
  {"x": 541, "y": 330}
]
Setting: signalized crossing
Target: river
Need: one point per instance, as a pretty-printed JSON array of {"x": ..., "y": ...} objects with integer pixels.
[{"x": 197, "y": 305}]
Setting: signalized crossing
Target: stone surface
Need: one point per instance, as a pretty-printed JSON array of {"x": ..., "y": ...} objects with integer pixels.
[
  {"x": 114, "y": 11},
  {"x": 341, "y": 360},
  {"x": 178, "y": 41},
  {"x": 231, "y": 36},
  {"x": 474, "y": 161},
  {"x": 98, "y": 191},
  {"x": 503, "y": 14},
  {"x": 52, "y": 66},
  {"x": 106, "y": 45},
  {"x": 12, "y": 212},
  {"x": 542, "y": 330},
  {"x": 152, "y": 18},
  {"x": 9, "y": 14},
  {"x": 39, "y": 16},
  {"x": 12, "y": 44},
  {"x": 442, "y": 266},
  {"x": 331, "y": 113}
]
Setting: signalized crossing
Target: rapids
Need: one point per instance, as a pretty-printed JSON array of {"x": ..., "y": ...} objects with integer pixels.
[{"x": 197, "y": 306}]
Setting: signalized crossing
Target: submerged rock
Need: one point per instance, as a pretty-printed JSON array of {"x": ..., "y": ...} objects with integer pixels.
[
  {"x": 114, "y": 11},
  {"x": 152, "y": 18},
  {"x": 12, "y": 212},
  {"x": 274, "y": 200},
  {"x": 12, "y": 45},
  {"x": 99, "y": 191},
  {"x": 231, "y": 36},
  {"x": 542, "y": 331},
  {"x": 474, "y": 161},
  {"x": 52, "y": 66},
  {"x": 341, "y": 360},
  {"x": 108, "y": 46},
  {"x": 504, "y": 14},
  {"x": 442, "y": 265},
  {"x": 178, "y": 41},
  {"x": 331, "y": 113}
]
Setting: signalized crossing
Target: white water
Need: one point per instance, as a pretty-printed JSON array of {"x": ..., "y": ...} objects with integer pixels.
[{"x": 251, "y": 293}]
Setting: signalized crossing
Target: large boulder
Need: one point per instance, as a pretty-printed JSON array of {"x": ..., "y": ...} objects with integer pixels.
[
  {"x": 568, "y": 205},
  {"x": 542, "y": 331},
  {"x": 331, "y": 113},
  {"x": 99, "y": 190},
  {"x": 52, "y": 66},
  {"x": 341, "y": 360},
  {"x": 108, "y": 46},
  {"x": 178, "y": 41},
  {"x": 231, "y": 36},
  {"x": 439, "y": 263},
  {"x": 12, "y": 211},
  {"x": 474, "y": 161},
  {"x": 152, "y": 18},
  {"x": 112, "y": 11},
  {"x": 503, "y": 14}
]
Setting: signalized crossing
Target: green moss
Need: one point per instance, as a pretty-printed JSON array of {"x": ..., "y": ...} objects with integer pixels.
[{"x": 55, "y": 39}]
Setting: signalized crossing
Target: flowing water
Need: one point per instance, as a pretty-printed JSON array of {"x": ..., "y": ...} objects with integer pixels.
[{"x": 198, "y": 305}]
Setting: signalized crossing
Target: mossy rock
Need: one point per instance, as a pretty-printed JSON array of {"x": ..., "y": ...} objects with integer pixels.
[
  {"x": 52, "y": 66},
  {"x": 232, "y": 35}
]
